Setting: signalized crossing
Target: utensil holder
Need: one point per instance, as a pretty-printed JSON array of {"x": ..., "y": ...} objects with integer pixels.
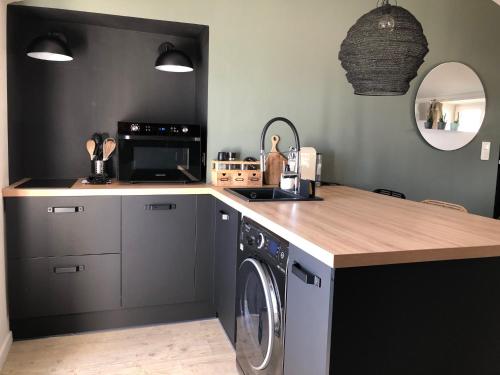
[
  {"x": 98, "y": 167},
  {"x": 98, "y": 173}
]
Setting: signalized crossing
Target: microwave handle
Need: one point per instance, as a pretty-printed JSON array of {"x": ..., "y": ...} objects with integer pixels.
[{"x": 204, "y": 159}]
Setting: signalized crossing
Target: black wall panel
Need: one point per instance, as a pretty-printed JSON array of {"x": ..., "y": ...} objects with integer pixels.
[
  {"x": 54, "y": 107},
  {"x": 416, "y": 319}
]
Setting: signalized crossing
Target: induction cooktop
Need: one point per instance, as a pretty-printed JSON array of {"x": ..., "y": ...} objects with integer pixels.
[{"x": 46, "y": 183}]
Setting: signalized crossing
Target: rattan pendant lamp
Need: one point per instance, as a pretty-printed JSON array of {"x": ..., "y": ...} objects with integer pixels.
[{"x": 383, "y": 51}]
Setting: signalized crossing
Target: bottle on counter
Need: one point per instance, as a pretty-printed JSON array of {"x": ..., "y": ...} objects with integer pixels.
[{"x": 319, "y": 165}]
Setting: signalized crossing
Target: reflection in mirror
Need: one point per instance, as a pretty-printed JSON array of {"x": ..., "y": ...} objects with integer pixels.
[{"x": 450, "y": 106}]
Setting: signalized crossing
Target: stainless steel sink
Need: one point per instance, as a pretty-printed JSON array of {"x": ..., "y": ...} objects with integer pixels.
[{"x": 269, "y": 195}]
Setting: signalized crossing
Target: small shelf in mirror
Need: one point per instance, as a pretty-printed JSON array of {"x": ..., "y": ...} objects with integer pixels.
[{"x": 432, "y": 131}]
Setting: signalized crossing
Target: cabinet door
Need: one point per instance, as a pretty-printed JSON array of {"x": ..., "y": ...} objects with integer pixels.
[
  {"x": 308, "y": 315},
  {"x": 226, "y": 248},
  {"x": 63, "y": 285},
  {"x": 205, "y": 232},
  {"x": 59, "y": 226},
  {"x": 159, "y": 249}
]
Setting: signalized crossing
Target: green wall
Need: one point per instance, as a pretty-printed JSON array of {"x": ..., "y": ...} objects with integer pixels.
[{"x": 279, "y": 57}]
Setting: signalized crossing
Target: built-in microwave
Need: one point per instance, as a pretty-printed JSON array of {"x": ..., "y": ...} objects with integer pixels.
[{"x": 160, "y": 152}]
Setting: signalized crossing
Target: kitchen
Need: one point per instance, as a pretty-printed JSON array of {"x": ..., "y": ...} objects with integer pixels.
[{"x": 243, "y": 77}]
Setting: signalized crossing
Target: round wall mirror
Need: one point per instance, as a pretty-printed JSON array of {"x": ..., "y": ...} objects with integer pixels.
[{"x": 450, "y": 106}]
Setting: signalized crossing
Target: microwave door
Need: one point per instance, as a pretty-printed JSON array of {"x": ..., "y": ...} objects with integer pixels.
[{"x": 166, "y": 161}]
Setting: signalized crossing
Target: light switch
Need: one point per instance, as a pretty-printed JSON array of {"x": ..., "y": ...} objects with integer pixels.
[{"x": 485, "y": 151}]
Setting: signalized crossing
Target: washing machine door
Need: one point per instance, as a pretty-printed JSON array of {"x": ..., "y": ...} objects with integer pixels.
[{"x": 259, "y": 319}]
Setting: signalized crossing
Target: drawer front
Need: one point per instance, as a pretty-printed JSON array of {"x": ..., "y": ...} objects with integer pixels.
[
  {"x": 64, "y": 285},
  {"x": 159, "y": 250},
  {"x": 237, "y": 178},
  {"x": 59, "y": 226}
]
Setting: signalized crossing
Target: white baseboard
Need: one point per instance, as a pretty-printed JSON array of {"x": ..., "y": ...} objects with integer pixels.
[{"x": 5, "y": 348}]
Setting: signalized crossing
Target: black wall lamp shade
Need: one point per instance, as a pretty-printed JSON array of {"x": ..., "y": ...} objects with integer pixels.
[
  {"x": 383, "y": 51},
  {"x": 173, "y": 60},
  {"x": 51, "y": 47}
]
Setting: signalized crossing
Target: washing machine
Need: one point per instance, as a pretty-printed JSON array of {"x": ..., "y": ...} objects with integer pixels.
[{"x": 260, "y": 300}]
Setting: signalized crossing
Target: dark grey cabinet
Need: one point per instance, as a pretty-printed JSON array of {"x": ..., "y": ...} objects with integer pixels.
[
  {"x": 308, "y": 316},
  {"x": 84, "y": 263},
  {"x": 63, "y": 255},
  {"x": 159, "y": 249},
  {"x": 225, "y": 250},
  {"x": 205, "y": 231},
  {"x": 59, "y": 226},
  {"x": 63, "y": 285}
]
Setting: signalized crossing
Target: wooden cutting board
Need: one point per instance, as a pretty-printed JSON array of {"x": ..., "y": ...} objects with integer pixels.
[{"x": 274, "y": 163}]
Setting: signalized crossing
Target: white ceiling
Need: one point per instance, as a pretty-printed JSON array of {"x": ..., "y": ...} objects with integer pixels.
[{"x": 451, "y": 80}]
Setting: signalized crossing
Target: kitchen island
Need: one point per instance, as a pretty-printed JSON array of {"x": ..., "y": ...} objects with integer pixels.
[{"x": 401, "y": 287}]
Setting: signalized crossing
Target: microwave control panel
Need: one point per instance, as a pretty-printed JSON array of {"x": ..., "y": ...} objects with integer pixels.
[{"x": 148, "y": 129}]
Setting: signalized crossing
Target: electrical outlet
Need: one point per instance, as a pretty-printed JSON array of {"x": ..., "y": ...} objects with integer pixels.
[{"x": 485, "y": 151}]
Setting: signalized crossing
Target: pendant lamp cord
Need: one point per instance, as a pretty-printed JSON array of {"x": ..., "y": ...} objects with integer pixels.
[{"x": 165, "y": 47}]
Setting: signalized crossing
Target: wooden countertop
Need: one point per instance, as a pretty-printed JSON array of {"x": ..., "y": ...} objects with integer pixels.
[
  {"x": 350, "y": 228},
  {"x": 80, "y": 189}
]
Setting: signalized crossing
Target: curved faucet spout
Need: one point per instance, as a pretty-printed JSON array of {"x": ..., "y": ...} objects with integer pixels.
[{"x": 263, "y": 138}]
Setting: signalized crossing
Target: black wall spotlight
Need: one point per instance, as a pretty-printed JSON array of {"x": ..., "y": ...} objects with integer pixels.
[
  {"x": 51, "y": 47},
  {"x": 173, "y": 60}
]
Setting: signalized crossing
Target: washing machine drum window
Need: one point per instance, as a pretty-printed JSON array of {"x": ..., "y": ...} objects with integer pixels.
[{"x": 259, "y": 317}]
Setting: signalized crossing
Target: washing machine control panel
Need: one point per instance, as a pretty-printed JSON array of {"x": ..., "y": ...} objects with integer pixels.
[{"x": 258, "y": 240}]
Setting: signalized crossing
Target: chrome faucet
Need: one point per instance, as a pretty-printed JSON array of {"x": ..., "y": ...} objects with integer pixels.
[{"x": 297, "y": 147}]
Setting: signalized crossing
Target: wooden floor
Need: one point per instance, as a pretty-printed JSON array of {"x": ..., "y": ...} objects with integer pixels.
[{"x": 192, "y": 348}]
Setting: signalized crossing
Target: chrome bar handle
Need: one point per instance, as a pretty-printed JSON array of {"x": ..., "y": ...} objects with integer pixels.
[{"x": 65, "y": 210}]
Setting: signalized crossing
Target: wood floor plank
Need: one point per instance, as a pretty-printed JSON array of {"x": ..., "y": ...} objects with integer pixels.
[{"x": 190, "y": 348}]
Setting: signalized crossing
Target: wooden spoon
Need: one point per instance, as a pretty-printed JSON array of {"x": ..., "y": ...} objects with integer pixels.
[
  {"x": 108, "y": 148},
  {"x": 91, "y": 148}
]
